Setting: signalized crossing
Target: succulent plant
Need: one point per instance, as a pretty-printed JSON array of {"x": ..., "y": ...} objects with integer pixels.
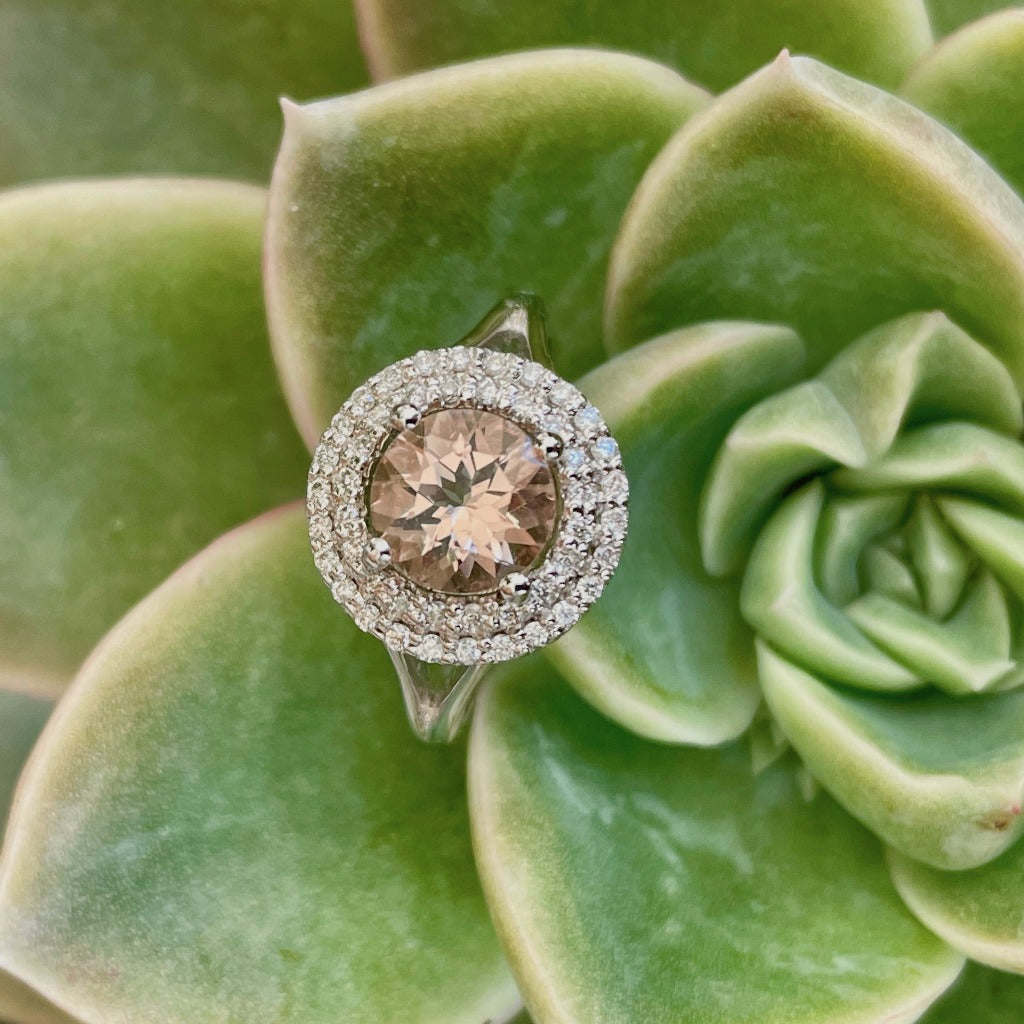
[{"x": 775, "y": 776}]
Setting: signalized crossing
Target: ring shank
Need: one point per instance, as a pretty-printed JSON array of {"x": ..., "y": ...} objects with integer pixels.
[{"x": 438, "y": 698}]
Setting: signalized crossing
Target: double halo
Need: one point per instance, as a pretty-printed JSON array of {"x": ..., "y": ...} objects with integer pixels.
[{"x": 441, "y": 641}]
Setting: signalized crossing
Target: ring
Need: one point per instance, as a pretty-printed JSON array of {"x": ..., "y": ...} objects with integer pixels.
[{"x": 466, "y": 506}]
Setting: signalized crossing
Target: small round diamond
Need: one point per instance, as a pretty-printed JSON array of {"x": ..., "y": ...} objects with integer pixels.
[
  {"x": 605, "y": 451},
  {"x": 467, "y": 651},
  {"x": 615, "y": 486},
  {"x": 574, "y": 460},
  {"x": 430, "y": 648},
  {"x": 502, "y": 647},
  {"x": 564, "y": 614}
]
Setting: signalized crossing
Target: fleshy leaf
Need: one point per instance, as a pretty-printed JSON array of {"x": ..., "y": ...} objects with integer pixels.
[
  {"x": 947, "y": 15},
  {"x": 665, "y": 652},
  {"x": 885, "y": 572},
  {"x": 997, "y": 538},
  {"x": 229, "y": 819},
  {"x": 920, "y": 368},
  {"x": 978, "y": 912},
  {"x": 910, "y": 370},
  {"x": 781, "y": 600},
  {"x": 980, "y": 996},
  {"x": 942, "y": 563},
  {"x": 807, "y": 198},
  {"x": 116, "y": 87},
  {"x": 22, "y": 716},
  {"x": 973, "y": 82},
  {"x": 400, "y": 215},
  {"x": 939, "y": 778},
  {"x": 967, "y": 654},
  {"x": 140, "y": 414},
  {"x": 639, "y": 882},
  {"x": 848, "y": 523},
  {"x": 955, "y": 456},
  {"x": 782, "y": 439},
  {"x": 716, "y": 44}
]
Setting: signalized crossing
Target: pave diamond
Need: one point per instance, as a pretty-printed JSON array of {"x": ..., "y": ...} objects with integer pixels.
[{"x": 463, "y": 498}]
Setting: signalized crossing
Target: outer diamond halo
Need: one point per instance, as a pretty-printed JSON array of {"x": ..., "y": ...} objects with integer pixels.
[{"x": 466, "y": 505}]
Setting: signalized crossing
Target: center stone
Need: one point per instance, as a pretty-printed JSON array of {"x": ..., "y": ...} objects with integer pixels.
[{"x": 463, "y": 498}]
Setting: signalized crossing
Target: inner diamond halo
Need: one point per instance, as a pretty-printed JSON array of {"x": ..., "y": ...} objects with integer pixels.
[{"x": 504, "y": 474}]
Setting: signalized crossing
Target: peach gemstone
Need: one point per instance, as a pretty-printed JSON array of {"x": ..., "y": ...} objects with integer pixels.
[{"x": 463, "y": 498}]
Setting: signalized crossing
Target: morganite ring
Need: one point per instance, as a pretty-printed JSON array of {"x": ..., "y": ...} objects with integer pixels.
[{"x": 466, "y": 505}]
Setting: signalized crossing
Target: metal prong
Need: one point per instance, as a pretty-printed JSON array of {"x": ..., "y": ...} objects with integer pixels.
[
  {"x": 514, "y": 587},
  {"x": 378, "y": 553},
  {"x": 405, "y": 417},
  {"x": 551, "y": 445}
]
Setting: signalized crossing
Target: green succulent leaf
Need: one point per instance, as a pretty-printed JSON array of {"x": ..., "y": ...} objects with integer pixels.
[
  {"x": 665, "y": 652},
  {"x": 716, "y": 44},
  {"x": 114, "y": 87},
  {"x": 885, "y": 572},
  {"x": 848, "y": 524},
  {"x": 782, "y": 601},
  {"x": 22, "y": 716},
  {"x": 968, "y": 653},
  {"x": 943, "y": 564},
  {"x": 639, "y": 882},
  {"x": 20, "y": 1004},
  {"x": 973, "y": 82},
  {"x": 918, "y": 367},
  {"x": 947, "y": 15},
  {"x": 399, "y": 216},
  {"x": 807, "y": 198},
  {"x": 978, "y": 912},
  {"x": 980, "y": 995},
  {"x": 230, "y": 820},
  {"x": 998, "y": 538},
  {"x": 786, "y": 437},
  {"x": 139, "y": 411},
  {"x": 946, "y": 456},
  {"x": 938, "y": 778}
]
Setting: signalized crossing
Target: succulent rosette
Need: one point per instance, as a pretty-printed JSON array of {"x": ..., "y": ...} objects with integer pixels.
[{"x": 775, "y": 775}]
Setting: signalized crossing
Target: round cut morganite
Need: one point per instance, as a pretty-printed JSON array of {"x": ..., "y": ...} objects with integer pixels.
[{"x": 463, "y": 498}]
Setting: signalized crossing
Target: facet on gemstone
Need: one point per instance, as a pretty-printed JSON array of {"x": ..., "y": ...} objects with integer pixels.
[{"x": 463, "y": 499}]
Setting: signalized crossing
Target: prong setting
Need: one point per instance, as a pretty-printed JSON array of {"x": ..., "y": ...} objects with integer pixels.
[
  {"x": 551, "y": 445},
  {"x": 405, "y": 417},
  {"x": 377, "y": 554},
  {"x": 515, "y": 587}
]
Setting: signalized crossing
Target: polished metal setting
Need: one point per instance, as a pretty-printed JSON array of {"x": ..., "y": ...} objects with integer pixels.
[{"x": 443, "y": 631}]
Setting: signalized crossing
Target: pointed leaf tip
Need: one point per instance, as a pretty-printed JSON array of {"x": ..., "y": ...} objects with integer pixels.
[
  {"x": 906, "y": 217},
  {"x": 510, "y": 173}
]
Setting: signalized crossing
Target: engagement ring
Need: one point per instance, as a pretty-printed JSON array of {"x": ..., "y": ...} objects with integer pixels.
[{"x": 466, "y": 505}]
